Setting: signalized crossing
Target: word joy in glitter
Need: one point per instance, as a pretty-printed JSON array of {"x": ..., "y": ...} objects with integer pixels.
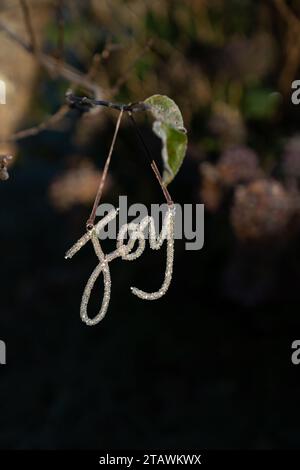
[{"x": 126, "y": 252}]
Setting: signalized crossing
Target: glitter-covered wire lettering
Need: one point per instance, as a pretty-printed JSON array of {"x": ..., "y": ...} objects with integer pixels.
[
  {"x": 136, "y": 234},
  {"x": 130, "y": 251}
]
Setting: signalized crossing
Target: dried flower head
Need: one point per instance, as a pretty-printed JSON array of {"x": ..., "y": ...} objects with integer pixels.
[
  {"x": 291, "y": 157},
  {"x": 260, "y": 210},
  {"x": 249, "y": 58},
  {"x": 75, "y": 186},
  {"x": 238, "y": 164},
  {"x": 227, "y": 123},
  {"x": 211, "y": 190}
]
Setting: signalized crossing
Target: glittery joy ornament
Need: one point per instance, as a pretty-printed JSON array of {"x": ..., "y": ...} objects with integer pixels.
[{"x": 126, "y": 252}]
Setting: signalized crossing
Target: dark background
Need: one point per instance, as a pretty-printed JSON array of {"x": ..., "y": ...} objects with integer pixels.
[{"x": 208, "y": 365}]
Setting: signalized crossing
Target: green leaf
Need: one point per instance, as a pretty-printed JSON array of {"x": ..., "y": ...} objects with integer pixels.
[
  {"x": 169, "y": 127},
  {"x": 261, "y": 103}
]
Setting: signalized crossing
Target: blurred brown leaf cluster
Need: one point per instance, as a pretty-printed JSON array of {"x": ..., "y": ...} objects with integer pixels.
[{"x": 76, "y": 186}]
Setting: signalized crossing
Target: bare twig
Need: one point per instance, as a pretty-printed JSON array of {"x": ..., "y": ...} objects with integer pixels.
[
  {"x": 51, "y": 121},
  {"x": 65, "y": 70},
  {"x": 51, "y": 65},
  {"x": 110, "y": 47},
  {"x": 98, "y": 58},
  {"x": 292, "y": 45},
  {"x": 84, "y": 102},
  {"x": 120, "y": 82},
  {"x": 28, "y": 24},
  {"x": 287, "y": 13},
  {"x": 15, "y": 37},
  {"x": 57, "y": 67},
  {"x": 61, "y": 30},
  {"x": 96, "y": 61}
]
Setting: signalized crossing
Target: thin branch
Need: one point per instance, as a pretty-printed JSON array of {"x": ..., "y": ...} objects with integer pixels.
[
  {"x": 61, "y": 30},
  {"x": 98, "y": 58},
  {"x": 93, "y": 69},
  {"x": 110, "y": 47},
  {"x": 15, "y": 37},
  {"x": 28, "y": 24},
  {"x": 120, "y": 82},
  {"x": 49, "y": 63},
  {"x": 287, "y": 13},
  {"x": 84, "y": 102},
  {"x": 292, "y": 44},
  {"x": 32, "y": 131}
]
